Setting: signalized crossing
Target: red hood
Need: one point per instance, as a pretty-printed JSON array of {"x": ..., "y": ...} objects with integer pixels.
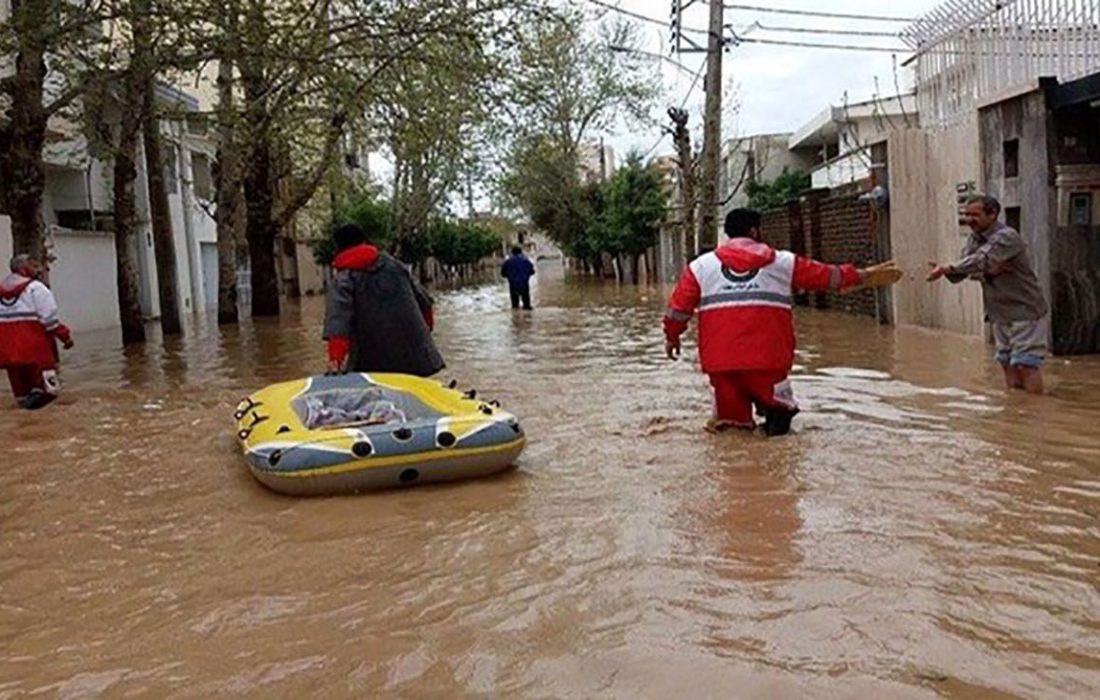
[
  {"x": 743, "y": 254},
  {"x": 13, "y": 285},
  {"x": 358, "y": 257}
]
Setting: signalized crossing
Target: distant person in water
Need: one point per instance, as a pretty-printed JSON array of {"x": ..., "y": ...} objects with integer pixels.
[
  {"x": 377, "y": 317},
  {"x": 743, "y": 292},
  {"x": 518, "y": 270},
  {"x": 29, "y": 331}
]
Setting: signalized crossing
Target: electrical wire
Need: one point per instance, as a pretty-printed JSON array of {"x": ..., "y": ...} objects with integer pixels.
[
  {"x": 644, "y": 18},
  {"x": 816, "y": 13},
  {"x": 811, "y": 45},
  {"x": 838, "y": 32}
]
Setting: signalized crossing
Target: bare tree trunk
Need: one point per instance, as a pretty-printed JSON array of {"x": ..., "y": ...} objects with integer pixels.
[
  {"x": 259, "y": 193},
  {"x": 22, "y": 177},
  {"x": 260, "y": 229},
  {"x": 682, "y": 137},
  {"x": 227, "y": 173},
  {"x": 160, "y": 215},
  {"x": 125, "y": 175}
]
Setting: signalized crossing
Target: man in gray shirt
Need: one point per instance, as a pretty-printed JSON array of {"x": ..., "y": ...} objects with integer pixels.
[{"x": 997, "y": 255}]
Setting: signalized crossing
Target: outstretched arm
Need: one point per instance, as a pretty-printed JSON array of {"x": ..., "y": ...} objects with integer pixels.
[
  {"x": 681, "y": 307},
  {"x": 813, "y": 276},
  {"x": 989, "y": 258}
]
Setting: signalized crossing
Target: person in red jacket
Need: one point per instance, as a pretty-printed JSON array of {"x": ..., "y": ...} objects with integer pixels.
[
  {"x": 29, "y": 330},
  {"x": 743, "y": 292}
]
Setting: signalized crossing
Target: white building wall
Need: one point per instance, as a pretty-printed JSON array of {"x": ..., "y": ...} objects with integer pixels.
[
  {"x": 86, "y": 295},
  {"x": 842, "y": 171},
  {"x": 5, "y": 241},
  {"x": 87, "y": 301}
]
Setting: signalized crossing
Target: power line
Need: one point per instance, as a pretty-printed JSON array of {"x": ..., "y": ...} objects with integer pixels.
[
  {"x": 644, "y": 18},
  {"x": 814, "y": 13},
  {"x": 691, "y": 88},
  {"x": 775, "y": 42},
  {"x": 811, "y": 45},
  {"x": 645, "y": 156},
  {"x": 807, "y": 30}
]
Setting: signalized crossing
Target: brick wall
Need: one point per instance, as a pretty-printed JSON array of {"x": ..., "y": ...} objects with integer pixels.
[
  {"x": 834, "y": 229},
  {"x": 777, "y": 228}
]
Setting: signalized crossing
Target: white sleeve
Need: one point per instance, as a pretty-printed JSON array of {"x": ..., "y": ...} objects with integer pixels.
[{"x": 44, "y": 304}]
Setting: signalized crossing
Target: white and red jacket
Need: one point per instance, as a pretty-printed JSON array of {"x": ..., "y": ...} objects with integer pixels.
[
  {"x": 28, "y": 323},
  {"x": 744, "y": 294}
]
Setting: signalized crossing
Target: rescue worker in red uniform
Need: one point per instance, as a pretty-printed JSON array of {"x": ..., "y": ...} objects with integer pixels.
[
  {"x": 743, "y": 292},
  {"x": 29, "y": 330}
]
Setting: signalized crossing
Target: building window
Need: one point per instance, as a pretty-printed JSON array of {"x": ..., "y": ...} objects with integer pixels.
[
  {"x": 1012, "y": 158},
  {"x": 1012, "y": 217},
  {"x": 202, "y": 181},
  {"x": 1080, "y": 209}
]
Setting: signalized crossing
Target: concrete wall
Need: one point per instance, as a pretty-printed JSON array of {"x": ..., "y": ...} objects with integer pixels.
[
  {"x": 311, "y": 276},
  {"x": 5, "y": 243},
  {"x": 924, "y": 170},
  {"x": 670, "y": 255},
  {"x": 87, "y": 301}
]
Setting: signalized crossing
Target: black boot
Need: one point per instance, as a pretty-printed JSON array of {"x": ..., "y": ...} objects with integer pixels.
[
  {"x": 36, "y": 399},
  {"x": 778, "y": 421}
]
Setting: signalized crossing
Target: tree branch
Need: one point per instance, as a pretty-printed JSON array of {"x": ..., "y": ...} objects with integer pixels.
[{"x": 309, "y": 186}]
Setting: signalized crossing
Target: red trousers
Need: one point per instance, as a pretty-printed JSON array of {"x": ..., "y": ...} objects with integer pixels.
[
  {"x": 735, "y": 394},
  {"x": 23, "y": 378}
]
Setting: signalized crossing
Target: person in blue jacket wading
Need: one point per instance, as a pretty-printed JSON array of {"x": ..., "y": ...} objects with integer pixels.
[{"x": 518, "y": 269}]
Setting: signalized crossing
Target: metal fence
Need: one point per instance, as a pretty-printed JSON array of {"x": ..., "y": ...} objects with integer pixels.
[{"x": 969, "y": 50}]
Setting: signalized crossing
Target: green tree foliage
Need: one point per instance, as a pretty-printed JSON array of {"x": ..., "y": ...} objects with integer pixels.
[
  {"x": 569, "y": 84},
  {"x": 619, "y": 217},
  {"x": 635, "y": 207},
  {"x": 772, "y": 195},
  {"x": 452, "y": 243},
  {"x": 458, "y": 243}
]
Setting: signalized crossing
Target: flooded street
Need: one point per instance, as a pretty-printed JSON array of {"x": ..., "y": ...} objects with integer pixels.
[{"x": 921, "y": 534}]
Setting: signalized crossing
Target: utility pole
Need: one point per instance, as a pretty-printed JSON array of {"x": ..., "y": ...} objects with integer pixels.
[
  {"x": 706, "y": 237},
  {"x": 712, "y": 131}
]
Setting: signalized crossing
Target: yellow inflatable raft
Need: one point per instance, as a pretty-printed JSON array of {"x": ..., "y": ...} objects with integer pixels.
[{"x": 356, "y": 432}]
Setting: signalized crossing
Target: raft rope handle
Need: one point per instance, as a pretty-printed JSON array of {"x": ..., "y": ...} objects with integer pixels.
[
  {"x": 242, "y": 412},
  {"x": 311, "y": 443}
]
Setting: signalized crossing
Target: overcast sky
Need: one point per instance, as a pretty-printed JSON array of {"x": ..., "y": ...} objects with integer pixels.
[{"x": 778, "y": 87}]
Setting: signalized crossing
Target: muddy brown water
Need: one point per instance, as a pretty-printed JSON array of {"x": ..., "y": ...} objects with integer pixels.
[{"x": 922, "y": 534}]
